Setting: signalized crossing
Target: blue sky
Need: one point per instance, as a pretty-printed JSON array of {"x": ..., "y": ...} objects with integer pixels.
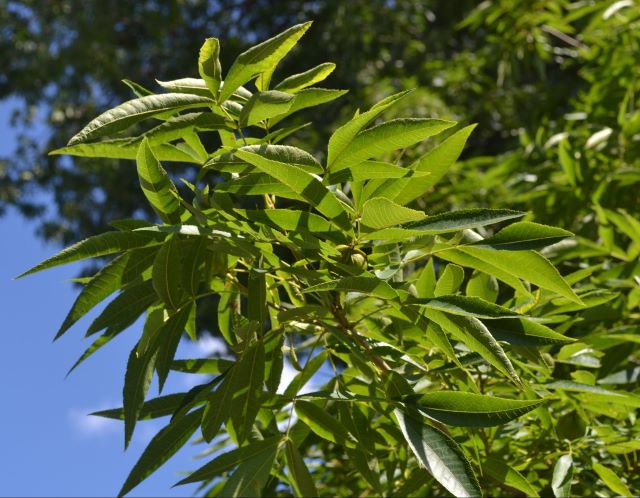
[{"x": 50, "y": 447}]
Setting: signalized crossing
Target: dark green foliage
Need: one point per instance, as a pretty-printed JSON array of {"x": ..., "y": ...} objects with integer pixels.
[{"x": 450, "y": 336}]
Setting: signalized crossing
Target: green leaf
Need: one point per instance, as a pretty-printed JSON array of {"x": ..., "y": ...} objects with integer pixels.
[
  {"x": 474, "y": 334},
  {"x": 290, "y": 219},
  {"x": 456, "y": 221},
  {"x": 302, "y": 182},
  {"x": 218, "y": 408},
  {"x": 309, "y": 370},
  {"x": 525, "y": 333},
  {"x": 460, "y": 258},
  {"x": 123, "y": 148},
  {"x": 344, "y": 135},
  {"x": 181, "y": 126},
  {"x": 260, "y": 59},
  {"x": 367, "y": 285},
  {"x": 136, "y": 384},
  {"x": 505, "y": 474},
  {"x": 167, "y": 274},
  {"x": 450, "y": 280},
  {"x": 125, "y": 308},
  {"x": 251, "y": 476},
  {"x": 119, "y": 272},
  {"x": 426, "y": 283},
  {"x": 157, "y": 187},
  {"x": 168, "y": 338},
  {"x": 527, "y": 265},
  {"x": 206, "y": 366},
  {"x": 257, "y": 297},
  {"x": 473, "y": 410},
  {"x": 437, "y": 161},
  {"x": 229, "y": 460},
  {"x": 161, "y": 406},
  {"x": 137, "y": 89},
  {"x": 209, "y": 65},
  {"x": 163, "y": 446},
  {"x": 466, "y": 306},
  {"x": 265, "y": 105},
  {"x": 440, "y": 455},
  {"x": 301, "y": 478},
  {"x": 387, "y": 137},
  {"x": 381, "y": 213},
  {"x": 483, "y": 286},
  {"x": 297, "y": 82},
  {"x": 247, "y": 398},
  {"x": 320, "y": 422},
  {"x": 197, "y": 86},
  {"x": 562, "y": 475},
  {"x": 281, "y": 153},
  {"x": 309, "y": 97},
  {"x": 98, "y": 245},
  {"x": 129, "y": 113},
  {"x": 595, "y": 393},
  {"x": 524, "y": 235},
  {"x": 611, "y": 479}
]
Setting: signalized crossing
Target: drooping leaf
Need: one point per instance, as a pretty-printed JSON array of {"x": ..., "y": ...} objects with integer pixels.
[
  {"x": 473, "y": 410},
  {"x": 98, "y": 245},
  {"x": 251, "y": 476},
  {"x": 265, "y": 105},
  {"x": 280, "y": 153},
  {"x": 167, "y": 274},
  {"x": 163, "y": 446},
  {"x": 209, "y": 65},
  {"x": 136, "y": 384},
  {"x": 257, "y": 298},
  {"x": 301, "y": 478},
  {"x": 127, "y": 114},
  {"x": 218, "y": 408},
  {"x": 207, "y": 366},
  {"x": 229, "y": 460},
  {"x": 440, "y": 455},
  {"x": 562, "y": 476},
  {"x": 125, "y": 308},
  {"x": 168, "y": 338},
  {"x": 249, "y": 372},
  {"x": 119, "y": 272},
  {"x": 156, "y": 185},
  {"x": 297, "y": 82},
  {"x": 302, "y": 182},
  {"x": 387, "y": 137},
  {"x": 524, "y": 235},
  {"x": 381, "y": 213},
  {"x": 261, "y": 58}
]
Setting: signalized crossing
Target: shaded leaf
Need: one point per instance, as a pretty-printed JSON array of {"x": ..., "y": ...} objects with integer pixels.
[
  {"x": 320, "y": 422},
  {"x": 299, "y": 473},
  {"x": 123, "y": 148},
  {"x": 98, "y": 245},
  {"x": 505, "y": 474},
  {"x": 229, "y": 460},
  {"x": 167, "y": 274},
  {"x": 264, "y": 105},
  {"x": 524, "y": 235},
  {"x": 163, "y": 446},
  {"x": 368, "y": 285},
  {"x": 161, "y": 406},
  {"x": 136, "y": 384}
]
